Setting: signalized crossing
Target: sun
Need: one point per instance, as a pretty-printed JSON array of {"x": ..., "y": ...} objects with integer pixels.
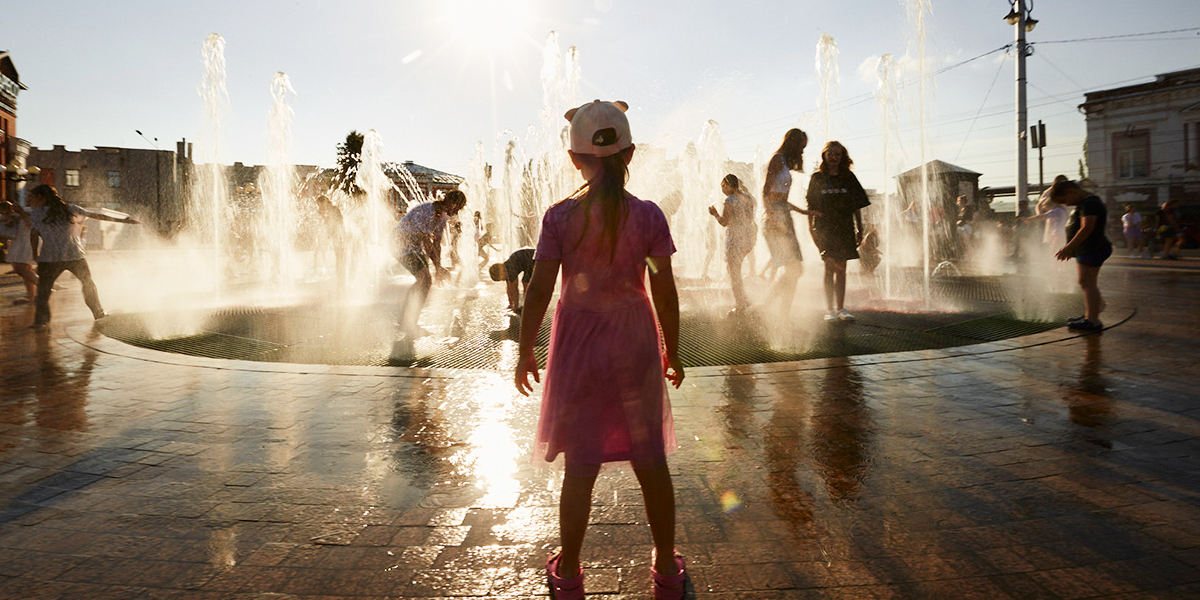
[{"x": 490, "y": 26}]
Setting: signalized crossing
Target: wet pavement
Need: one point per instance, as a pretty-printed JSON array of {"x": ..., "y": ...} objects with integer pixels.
[{"x": 1043, "y": 466}]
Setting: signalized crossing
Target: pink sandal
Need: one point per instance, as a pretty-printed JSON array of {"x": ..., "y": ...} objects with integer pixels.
[
  {"x": 563, "y": 589},
  {"x": 668, "y": 587}
]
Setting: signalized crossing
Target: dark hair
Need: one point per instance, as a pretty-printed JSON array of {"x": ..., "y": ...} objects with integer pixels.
[
  {"x": 56, "y": 209},
  {"x": 843, "y": 166},
  {"x": 792, "y": 149},
  {"x": 494, "y": 271},
  {"x": 731, "y": 180},
  {"x": 607, "y": 187},
  {"x": 1062, "y": 187}
]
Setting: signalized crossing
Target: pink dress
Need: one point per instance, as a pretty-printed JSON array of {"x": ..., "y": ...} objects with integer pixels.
[{"x": 604, "y": 397}]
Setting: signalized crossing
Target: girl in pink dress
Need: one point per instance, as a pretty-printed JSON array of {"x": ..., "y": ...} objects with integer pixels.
[{"x": 605, "y": 398}]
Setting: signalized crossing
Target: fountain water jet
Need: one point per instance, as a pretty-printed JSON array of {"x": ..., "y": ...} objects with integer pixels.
[
  {"x": 827, "y": 74},
  {"x": 278, "y": 184},
  {"x": 209, "y": 205}
]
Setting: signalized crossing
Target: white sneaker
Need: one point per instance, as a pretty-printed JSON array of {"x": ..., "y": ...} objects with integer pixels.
[
  {"x": 844, "y": 316},
  {"x": 831, "y": 316}
]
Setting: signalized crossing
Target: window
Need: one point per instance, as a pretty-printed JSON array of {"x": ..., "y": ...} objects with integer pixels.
[
  {"x": 114, "y": 179},
  {"x": 1132, "y": 154},
  {"x": 72, "y": 178}
]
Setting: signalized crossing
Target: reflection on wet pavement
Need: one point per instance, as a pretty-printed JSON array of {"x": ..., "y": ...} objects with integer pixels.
[{"x": 1049, "y": 466}]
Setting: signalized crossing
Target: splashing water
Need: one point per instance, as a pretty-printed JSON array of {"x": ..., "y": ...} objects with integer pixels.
[
  {"x": 210, "y": 198},
  {"x": 885, "y": 93},
  {"x": 277, "y": 232},
  {"x": 827, "y": 73},
  {"x": 917, "y": 9}
]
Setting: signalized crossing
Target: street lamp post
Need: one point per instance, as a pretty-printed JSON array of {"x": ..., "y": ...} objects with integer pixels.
[{"x": 1019, "y": 17}]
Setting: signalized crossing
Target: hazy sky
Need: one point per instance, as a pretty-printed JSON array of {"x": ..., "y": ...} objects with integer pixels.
[{"x": 436, "y": 77}]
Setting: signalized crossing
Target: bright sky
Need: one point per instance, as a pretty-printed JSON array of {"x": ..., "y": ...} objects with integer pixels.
[{"x": 435, "y": 77}]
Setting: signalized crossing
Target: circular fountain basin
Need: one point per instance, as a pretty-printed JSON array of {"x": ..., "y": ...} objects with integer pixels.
[{"x": 468, "y": 328}]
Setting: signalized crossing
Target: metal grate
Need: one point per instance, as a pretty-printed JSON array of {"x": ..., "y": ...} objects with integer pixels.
[{"x": 363, "y": 335}]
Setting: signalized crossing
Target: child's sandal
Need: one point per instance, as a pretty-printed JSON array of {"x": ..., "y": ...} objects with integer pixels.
[
  {"x": 668, "y": 587},
  {"x": 560, "y": 588}
]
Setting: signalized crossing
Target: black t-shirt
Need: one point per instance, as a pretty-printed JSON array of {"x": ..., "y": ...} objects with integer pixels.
[
  {"x": 836, "y": 197},
  {"x": 1097, "y": 241},
  {"x": 519, "y": 263}
]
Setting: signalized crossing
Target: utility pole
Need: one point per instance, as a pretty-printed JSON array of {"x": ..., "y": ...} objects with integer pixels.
[{"x": 1022, "y": 189}]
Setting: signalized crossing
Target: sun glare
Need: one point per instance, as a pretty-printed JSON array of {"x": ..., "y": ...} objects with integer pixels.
[{"x": 488, "y": 25}]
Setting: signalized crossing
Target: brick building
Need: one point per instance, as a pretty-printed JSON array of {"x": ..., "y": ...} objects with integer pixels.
[
  {"x": 152, "y": 185},
  {"x": 11, "y": 150}
]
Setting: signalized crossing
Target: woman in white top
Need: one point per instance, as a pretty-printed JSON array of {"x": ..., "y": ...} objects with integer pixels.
[
  {"x": 740, "y": 231},
  {"x": 59, "y": 225},
  {"x": 778, "y": 228},
  {"x": 19, "y": 254}
]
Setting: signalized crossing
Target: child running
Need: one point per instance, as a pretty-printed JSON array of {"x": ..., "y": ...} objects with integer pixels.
[
  {"x": 58, "y": 224},
  {"x": 605, "y": 399}
]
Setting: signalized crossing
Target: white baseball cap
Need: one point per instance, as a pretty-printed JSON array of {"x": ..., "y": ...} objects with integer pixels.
[{"x": 599, "y": 128}]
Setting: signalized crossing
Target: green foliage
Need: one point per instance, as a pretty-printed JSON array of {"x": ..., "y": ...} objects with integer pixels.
[{"x": 349, "y": 155}]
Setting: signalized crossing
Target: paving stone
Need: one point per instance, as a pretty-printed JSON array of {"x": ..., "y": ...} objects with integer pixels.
[{"x": 1048, "y": 466}]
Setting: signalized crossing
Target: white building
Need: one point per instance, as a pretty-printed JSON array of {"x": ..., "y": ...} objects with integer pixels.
[{"x": 1143, "y": 141}]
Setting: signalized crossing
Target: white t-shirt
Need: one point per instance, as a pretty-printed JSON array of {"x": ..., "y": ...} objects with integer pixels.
[
  {"x": 61, "y": 241},
  {"x": 1056, "y": 223},
  {"x": 420, "y": 223},
  {"x": 1131, "y": 220}
]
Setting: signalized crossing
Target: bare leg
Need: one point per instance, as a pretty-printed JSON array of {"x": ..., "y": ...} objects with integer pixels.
[
  {"x": 839, "y": 279},
  {"x": 29, "y": 277},
  {"x": 414, "y": 301},
  {"x": 785, "y": 286},
  {"x": 829, "y": 284},
  {"x": 574, "y": 507},
  {"x": 659, "y": 495},
  {"x": 1089, "y": 282},
  {"x": 734, "y": 265}
]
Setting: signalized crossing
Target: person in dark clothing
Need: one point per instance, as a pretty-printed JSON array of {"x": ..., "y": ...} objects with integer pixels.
[
  {"x": 1087, "y": 244},
  {"x": 519, "y": 265},
  {"x": 835, "y": 198}
]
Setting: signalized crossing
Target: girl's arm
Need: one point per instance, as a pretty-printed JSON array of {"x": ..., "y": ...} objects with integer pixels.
[
  {"x": 103, "y": 217},
  {"x": 537, "y": 299},
  {"x": 666, "y": 304},
  {"x": 722, "y": 217}
]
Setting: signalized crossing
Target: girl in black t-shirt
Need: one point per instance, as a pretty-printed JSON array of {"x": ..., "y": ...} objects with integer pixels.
[
  {"x": 1087, "y": 244},
  {"x": 834, "y": 199}
]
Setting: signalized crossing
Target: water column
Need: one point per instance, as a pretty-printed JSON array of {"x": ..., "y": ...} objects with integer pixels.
[
  {"x": 277, "y": 231},
  {"x": 377, "y": 188},
  {"x": 211, "y": 199},
  {"x": 916, "y": 13},
  {"x": 827, "y": 74},
  {"x": 885, "y": 94}
]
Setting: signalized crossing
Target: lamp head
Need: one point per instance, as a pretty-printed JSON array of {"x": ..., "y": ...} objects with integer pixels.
[
  {"x": 1030, "y": 24},
  {"x": 1012, "y": 17}
]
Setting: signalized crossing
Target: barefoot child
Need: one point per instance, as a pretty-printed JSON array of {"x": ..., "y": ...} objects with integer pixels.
[{"x": 605, "y": 398}]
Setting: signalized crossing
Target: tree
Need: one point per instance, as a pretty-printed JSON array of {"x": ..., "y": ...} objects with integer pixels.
[{"x": 349, "y": 155}]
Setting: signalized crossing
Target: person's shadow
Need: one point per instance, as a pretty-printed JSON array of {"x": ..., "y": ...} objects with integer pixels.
[
  {"x": 1088, "y": 403},
  {"x": 842, "y": 435}
]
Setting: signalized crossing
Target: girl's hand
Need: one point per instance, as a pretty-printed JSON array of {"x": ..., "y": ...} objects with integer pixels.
[
  {"x": 1065, "y": 253},
  {"x": 673, "y": 370},
  {"x": 712, "y": 210},
  {"x": 525, "y": 366}
]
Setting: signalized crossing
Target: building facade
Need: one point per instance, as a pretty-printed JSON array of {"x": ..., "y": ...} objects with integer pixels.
[
  {"x": 150, "y": 185},
  {"x": 1143, "y": 141},
  {"x": 11, "y": 150}
]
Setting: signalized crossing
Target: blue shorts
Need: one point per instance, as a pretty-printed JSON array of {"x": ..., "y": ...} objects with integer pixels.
[{"x": 1094, "y": 259}]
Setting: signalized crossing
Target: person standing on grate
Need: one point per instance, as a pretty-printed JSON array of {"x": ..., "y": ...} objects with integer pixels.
[
  {"x": 1088, "y": 245},
  {"x": 418, "y": 242}
]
